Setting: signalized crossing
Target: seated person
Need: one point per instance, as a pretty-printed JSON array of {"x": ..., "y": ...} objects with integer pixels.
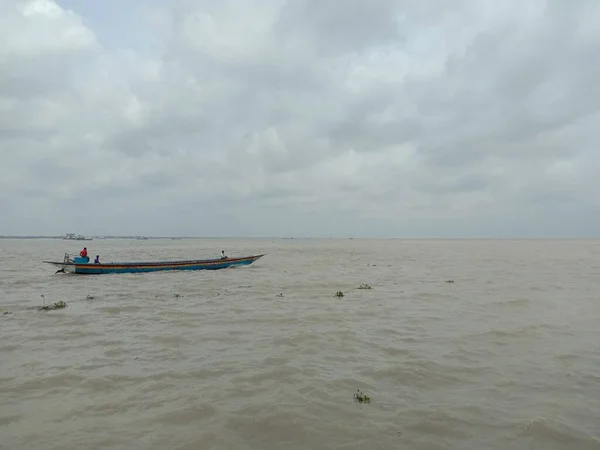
[
  {"x": 97, "y": 260},
  {"x": 83, "y": 254},
  {"x": 223, "y": 254}
]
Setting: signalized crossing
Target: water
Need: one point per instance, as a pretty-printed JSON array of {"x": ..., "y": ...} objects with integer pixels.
[{"x": 506, "y": 357}]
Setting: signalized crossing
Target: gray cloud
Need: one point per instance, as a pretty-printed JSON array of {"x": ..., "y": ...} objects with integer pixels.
[{"x": 300, "y": 117}]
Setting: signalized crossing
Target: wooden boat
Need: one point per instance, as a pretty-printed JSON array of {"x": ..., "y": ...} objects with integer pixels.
[{"x": 83, "y": 266}]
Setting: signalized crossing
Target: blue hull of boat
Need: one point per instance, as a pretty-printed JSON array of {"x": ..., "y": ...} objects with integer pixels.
[{"x": 79, "y": 267}]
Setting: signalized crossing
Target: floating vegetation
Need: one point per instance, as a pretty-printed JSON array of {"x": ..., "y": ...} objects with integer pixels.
[
  {"x": 247, "y": 287},
  {"x": 364, "y": 286},
  {"x": 361, "y": 398},
  {"x": 279, "y": 295},
  {"x": 89, "y": 297},
  {"x": 176, "y": 295},
  {"x": 449, "y": 281},
  {"x": 57, "y": 305},
  {"x": 6, "y": 313},
  {"x": 339, "y": 294}
]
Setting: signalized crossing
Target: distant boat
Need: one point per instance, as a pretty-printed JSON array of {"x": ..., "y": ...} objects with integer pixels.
[
  {"x": 83, "y": 266},
  {"x": 76, "y": 237}
]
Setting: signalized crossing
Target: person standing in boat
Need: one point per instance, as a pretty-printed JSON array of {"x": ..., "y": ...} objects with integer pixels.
[{"x": 83, "y": 253}]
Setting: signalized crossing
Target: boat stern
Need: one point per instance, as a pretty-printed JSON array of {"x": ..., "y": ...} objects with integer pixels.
[{"x": 66, "y": 266}]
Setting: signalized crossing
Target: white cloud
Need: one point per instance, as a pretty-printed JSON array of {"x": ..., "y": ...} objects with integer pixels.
[
  {"x": 34, "y": 28},
  {"x": 300, "y": 117}
]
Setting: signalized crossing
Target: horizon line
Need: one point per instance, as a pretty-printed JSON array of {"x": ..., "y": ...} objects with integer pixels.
[{"x": 108, "y": 237}]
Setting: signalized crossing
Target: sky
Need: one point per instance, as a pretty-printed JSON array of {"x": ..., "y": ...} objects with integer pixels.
[{"x": 380, "y": 118}]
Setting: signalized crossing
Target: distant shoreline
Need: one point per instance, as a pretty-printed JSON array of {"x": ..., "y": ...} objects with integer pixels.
[{"x": 409, "y": 238}]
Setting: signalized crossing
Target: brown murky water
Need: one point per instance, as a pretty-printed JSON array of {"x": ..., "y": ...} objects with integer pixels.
[{"x": 506, "y": 357}]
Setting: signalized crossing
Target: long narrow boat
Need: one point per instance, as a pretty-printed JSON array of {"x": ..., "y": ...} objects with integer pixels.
[{"x": 82, "y": 266}]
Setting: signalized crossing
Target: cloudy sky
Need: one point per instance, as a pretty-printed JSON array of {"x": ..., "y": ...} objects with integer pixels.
[{"x": 300, "y": 117}]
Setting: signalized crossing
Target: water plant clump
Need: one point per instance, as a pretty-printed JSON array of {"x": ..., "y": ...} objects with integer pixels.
[
  {"x": 361, "y": 398},
  {"x": 449, "y": 281},
  {"x": 364, "y": 286},
  {"x": 339, "y": 294},
  {"x": 58, "y": 305}
]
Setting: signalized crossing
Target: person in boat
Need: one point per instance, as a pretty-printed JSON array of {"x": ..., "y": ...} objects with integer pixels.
[
  {"x": 83, "y": 254},
  {"x": 97, "y": 260},
  {"x": 223, "y": 254}
]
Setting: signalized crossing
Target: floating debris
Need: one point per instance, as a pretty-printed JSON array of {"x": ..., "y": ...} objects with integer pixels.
[
  {"x": 279, "y": 295},
  {"x": 361, "y": 398},
  {"x": 177, "y": 295},
  {"x": 6, "y": 313},
  {"x": 449, "y": 281},
  {"x": 244, "y": 286},
  {"x": 339, "y": 294},
  {"x": 57, "y": 305},
  {"x": 89, "y": 297},
  {"x": 364, "y": 286}
]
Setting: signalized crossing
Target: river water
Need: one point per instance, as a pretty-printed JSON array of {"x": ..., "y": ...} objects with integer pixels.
[{"x": 266, "y": 357}]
